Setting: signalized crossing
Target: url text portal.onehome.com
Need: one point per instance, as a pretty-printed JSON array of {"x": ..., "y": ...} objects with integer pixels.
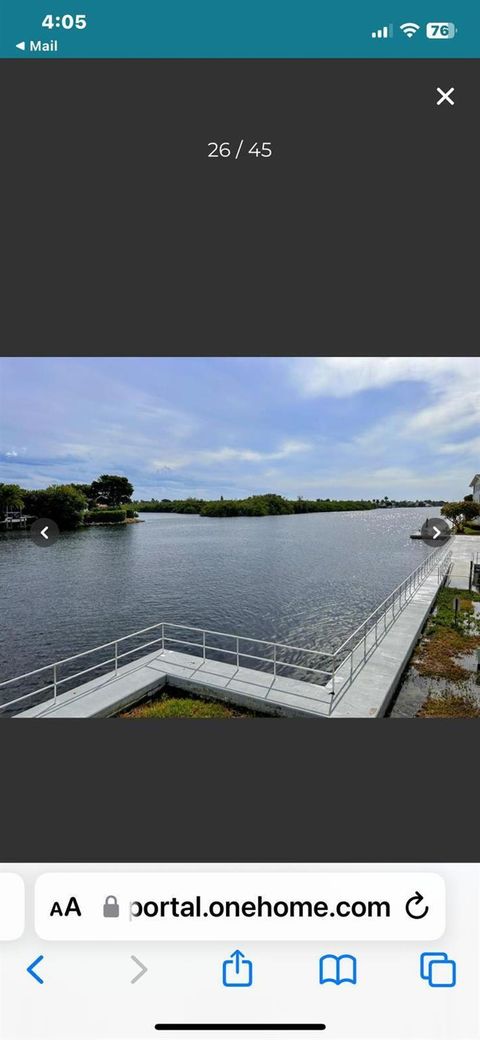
[{"x": 258, "y": 907}]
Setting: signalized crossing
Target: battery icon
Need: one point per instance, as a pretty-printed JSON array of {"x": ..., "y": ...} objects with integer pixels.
[{"x": 441, "y": 30}]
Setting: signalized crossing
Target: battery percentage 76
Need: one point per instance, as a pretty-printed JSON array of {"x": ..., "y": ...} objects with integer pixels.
[{"x": 441, "y": 30}]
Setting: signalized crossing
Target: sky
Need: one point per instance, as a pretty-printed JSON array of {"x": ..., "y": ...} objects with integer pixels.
[{"x": 331, "y": 427}]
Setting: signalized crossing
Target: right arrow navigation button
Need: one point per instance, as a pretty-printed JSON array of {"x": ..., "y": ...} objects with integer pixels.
[{"x": 435, "y": 531}]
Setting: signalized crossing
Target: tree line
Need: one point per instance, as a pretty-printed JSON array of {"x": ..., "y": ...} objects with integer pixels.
[
  {"x": 72, "y": 504},
  {"x": 254, "y": 505},
  {"x": 109, "y": 499}
]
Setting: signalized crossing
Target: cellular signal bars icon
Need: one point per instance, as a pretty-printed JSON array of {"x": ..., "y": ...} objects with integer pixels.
[{"x": 384, "y": 33}]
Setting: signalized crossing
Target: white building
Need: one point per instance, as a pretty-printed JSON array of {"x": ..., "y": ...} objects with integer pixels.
[{"x": 475, "y": 485}]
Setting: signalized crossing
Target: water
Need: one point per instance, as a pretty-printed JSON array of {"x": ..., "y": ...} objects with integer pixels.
[{"x": 308, "y": 580}]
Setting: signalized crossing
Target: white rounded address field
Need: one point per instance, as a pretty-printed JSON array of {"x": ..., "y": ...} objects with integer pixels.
[
  {"x": 189, "y": 906},
  {"x": 12, "y": 906}
]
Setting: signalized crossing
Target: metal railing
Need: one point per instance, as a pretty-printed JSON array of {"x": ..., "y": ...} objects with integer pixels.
[
  {"x": 240, "y": 651},
  {"x": 340, "y": 665},
  {"x": 349, "y": 658}
]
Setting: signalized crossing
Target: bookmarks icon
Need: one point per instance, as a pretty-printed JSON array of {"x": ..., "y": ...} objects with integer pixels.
[{"x": 338, "y": 969}]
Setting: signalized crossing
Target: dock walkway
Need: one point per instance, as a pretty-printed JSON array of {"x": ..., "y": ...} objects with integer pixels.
[
  {"x": 465, "y": 548},
  {"x": 243, "y": 687}
]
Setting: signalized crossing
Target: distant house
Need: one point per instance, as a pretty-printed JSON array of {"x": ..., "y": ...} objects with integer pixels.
[{"x": 475, "y": 485}]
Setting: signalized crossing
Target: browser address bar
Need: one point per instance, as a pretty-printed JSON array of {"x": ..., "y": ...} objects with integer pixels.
[{"x": 255, "y": 906}]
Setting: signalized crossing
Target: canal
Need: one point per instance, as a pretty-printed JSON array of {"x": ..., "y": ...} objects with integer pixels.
[{"x": 305, "y": 579}]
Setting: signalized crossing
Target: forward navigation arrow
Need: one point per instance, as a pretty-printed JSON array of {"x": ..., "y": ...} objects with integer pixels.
[
  {"x": 438, "y": 532},
  {"x": 140, "y": 973}
]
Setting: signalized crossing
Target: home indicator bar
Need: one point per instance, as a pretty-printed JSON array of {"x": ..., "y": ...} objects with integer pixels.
[{"x": 241, "y": 1027}]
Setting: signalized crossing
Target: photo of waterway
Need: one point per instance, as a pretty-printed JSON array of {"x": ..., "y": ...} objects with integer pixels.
[{"x": 306, "y": 580}]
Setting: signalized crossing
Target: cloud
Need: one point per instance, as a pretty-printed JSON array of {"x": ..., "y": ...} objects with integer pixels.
[
  {"x": 226, "y": 454},
  {"x": 465, "y": 448},
  {"x": 452, "y": 385},
  {"x": 456, "y": 407},
  {"x": 350, "y": 427},
  {"x": 343, "y": 376}
]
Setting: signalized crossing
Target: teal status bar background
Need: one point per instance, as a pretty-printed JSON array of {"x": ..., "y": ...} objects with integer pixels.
[{"x": 239, "y": 29}]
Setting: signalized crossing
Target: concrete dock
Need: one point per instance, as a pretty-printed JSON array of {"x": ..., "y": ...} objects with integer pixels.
[
  {"x": 367, "y": 673},
  {"x": 374, "y": 686},
  {"x": 244, "y": 687},
  {"x": 465, "y": 548}
]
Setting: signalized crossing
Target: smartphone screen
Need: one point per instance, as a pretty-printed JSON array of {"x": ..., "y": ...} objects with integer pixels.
[{"x": 217, "y": 543}]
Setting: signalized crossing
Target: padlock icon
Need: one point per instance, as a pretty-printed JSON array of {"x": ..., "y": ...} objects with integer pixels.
[{"x": 111, "y": 907}]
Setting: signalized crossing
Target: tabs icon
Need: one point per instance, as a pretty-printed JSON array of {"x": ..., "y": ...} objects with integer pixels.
[{"x": 438, "y": 970}]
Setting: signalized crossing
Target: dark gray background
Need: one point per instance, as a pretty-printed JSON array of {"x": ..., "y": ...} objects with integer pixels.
[
  {"x": 122, "y": 237},
  {"x": 357, "y": 235},
  {"x": 286, "y": 790}
]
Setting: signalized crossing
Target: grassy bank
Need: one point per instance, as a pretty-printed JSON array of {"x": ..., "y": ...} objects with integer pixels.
[
  {"x": 447, "y": 654},
  {"x": 447, "y": 637},
  {"x": 173, "y": 704},
  {"x": 449, "y": 706}
]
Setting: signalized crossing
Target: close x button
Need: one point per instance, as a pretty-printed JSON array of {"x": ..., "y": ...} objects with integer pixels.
[{"x": 445, "y": 95}]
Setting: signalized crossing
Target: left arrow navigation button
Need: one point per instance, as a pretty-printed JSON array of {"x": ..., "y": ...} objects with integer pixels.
[
  {"x": 33, "y": 973},
  {"x": 44, "y": 531}
]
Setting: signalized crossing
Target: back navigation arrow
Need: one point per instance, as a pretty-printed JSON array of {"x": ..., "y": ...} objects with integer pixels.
[
  {"x": 44, "y": 531},
  {"x": 33, "y": 973}
]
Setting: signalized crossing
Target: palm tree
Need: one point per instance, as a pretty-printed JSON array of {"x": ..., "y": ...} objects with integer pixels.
[{"x": 10, "y": 497}]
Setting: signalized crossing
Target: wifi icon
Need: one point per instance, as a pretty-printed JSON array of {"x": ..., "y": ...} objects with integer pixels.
[{"x": 409, "y": 28}]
